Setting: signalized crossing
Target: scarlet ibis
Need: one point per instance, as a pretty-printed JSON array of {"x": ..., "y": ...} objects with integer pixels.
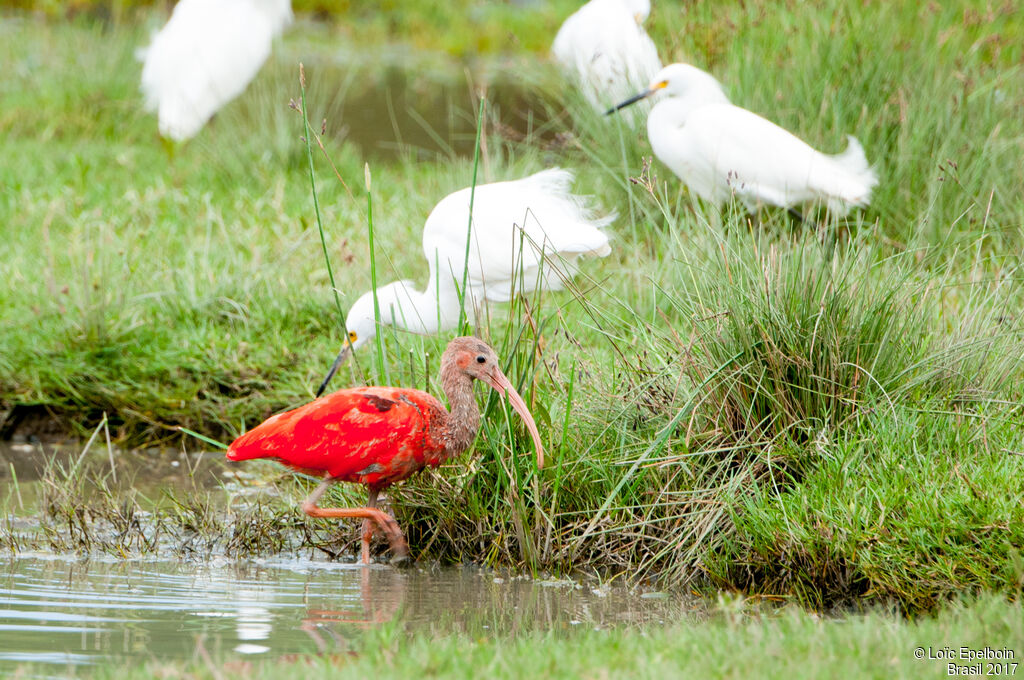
[
  {"x": 604, "y": 47},
  {"x": 720, "y": 150},
  {"x": 526, "y": 234},
  {"x": 377, "y": 436},
  {"x": 205, "y": 56}
]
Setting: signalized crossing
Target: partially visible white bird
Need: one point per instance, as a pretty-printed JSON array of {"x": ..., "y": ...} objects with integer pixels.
[
  {"x": 721, "y": 150},
  {"x": 526, "y": 235},
  {"x": 205, "y": 56},
  {"x": 604, "y": 46}
]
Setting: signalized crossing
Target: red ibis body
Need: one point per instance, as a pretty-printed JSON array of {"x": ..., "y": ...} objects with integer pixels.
[{"x": 371, "y": 435}]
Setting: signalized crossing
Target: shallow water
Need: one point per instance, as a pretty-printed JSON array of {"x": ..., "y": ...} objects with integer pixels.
[
  {"x": 144, "y": 473},
  {"x": 407, "y": 113},
  {"x": 60, "y": 612},
  {"x": 404, "y": 102}
]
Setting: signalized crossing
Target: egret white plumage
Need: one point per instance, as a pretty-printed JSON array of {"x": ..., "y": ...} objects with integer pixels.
[
  {"x": 205, "y": 56},
  {"x": 604, "y": 46},
  {"x": 721, "y": 150},
  {"x": 526, "y": 235}
]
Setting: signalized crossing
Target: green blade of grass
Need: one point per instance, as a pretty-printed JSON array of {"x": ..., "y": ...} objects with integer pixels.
[
  {"x": 463, "y": 322},
  {"x": 316, "y": 201},
  {"x": 378, "y": 340},
  {"x": 203, "y": 437}
]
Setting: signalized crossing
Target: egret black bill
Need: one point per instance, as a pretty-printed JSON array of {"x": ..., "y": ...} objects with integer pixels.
[
  {"x": 635, "y": 98},
  {"x": 338, "y": 361}
]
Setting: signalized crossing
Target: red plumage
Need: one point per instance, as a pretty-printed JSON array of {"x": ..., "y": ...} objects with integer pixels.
[{"x": 371, "y": 435}]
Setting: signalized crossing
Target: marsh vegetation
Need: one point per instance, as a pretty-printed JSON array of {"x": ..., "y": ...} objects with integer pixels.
[{"x": 830, "y": 415}]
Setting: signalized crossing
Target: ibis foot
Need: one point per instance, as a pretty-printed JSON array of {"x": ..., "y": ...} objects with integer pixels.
[{"x": 402, "y": 561}]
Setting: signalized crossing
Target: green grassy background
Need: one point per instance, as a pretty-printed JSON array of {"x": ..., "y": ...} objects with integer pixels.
[{"x": 829, "y": 416}]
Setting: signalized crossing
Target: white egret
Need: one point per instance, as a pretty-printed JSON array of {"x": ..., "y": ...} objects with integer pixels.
[
  {"x": 205, "y": 56},
  {"x": 721, "y": 150},
  {"x": 526, "y": 235},
  {"x": 604, "y": 47}
]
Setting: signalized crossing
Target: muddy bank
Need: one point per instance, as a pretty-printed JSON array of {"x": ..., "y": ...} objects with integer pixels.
[{"x": 146, "y": 502}]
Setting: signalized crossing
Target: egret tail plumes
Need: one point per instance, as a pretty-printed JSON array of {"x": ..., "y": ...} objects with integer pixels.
[
  {"x": 854, "y": 180},
  {"x": 205, "y": 56}
]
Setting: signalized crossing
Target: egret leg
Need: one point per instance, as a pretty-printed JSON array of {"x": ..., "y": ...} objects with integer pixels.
[
  {"x": 169, "y": 147},
  {"x": 796, "y": 214},
  {"x": 385, "y": 521}
]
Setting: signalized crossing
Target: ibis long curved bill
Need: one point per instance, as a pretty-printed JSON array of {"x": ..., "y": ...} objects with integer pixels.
[{"x": 503, "y": 386}]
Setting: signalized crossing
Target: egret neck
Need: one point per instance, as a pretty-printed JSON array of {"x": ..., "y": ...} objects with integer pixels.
[{"x": 425, "y": 312}]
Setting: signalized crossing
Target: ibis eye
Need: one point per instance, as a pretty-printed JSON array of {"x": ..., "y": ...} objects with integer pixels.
[{"x": 481, "y": 360}]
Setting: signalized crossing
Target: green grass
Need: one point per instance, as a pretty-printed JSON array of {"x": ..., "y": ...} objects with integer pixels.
[
  {"x": 827, "y": 416},
  {"x": 791, "y": 644},
  {"x": 895, "y": 513}
]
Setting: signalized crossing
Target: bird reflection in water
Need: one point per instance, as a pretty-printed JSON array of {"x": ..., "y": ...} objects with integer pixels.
[
  {"x": 379, "y": 605},
  {"x": 381, "y": 595}
]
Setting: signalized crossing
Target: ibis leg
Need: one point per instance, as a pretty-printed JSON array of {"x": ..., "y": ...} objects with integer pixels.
[
  {"x": 385, "y": 521},
  {"x": 371, "y": 502}
]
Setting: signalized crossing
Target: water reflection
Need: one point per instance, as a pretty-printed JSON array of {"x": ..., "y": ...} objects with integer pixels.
[
  {"x": 399, "y": 103},
  {"x": 143, "y": 473},
  {"x": 67, "y": 612}
]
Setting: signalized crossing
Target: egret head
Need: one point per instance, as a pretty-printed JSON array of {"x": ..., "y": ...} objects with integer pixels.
[
  {"x": 677, "y": 80},
  {"x": 683, "y": 79},
  {"x": 361, "y": 324}
]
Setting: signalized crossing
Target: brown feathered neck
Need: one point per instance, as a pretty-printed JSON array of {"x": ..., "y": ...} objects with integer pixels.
[{"x": 459, "y": 429}]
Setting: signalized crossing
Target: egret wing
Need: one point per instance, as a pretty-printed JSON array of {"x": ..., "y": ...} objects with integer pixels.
[
  {"x": 516, "y": 225},
  {"x": 749, "y": 156}
]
